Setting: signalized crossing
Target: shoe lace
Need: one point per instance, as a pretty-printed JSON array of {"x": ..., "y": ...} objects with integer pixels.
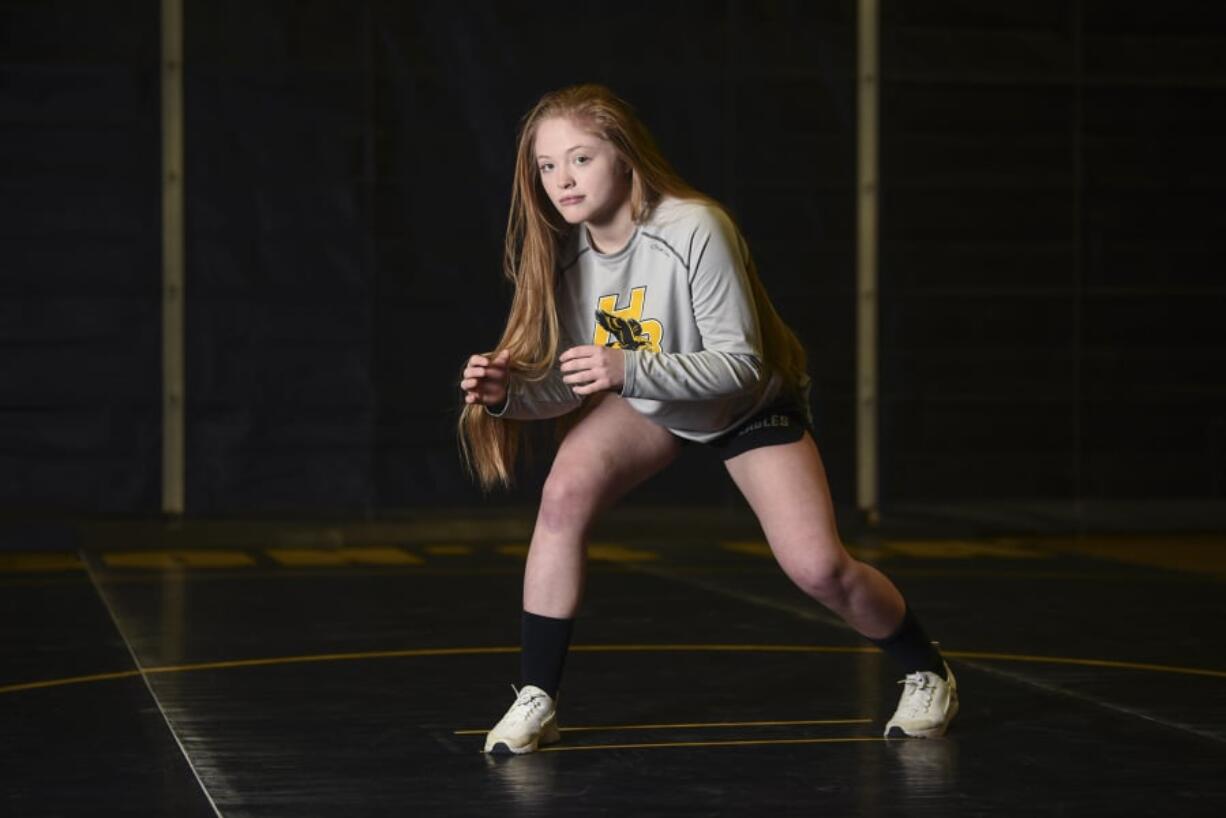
[
  {"x": 917, "y": 694},
  {"x": 526, "y": 704}
]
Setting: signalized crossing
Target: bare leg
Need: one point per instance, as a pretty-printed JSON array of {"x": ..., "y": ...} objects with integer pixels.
[
  {"x": 786, "y": 487},
  {"x": 610, "y": 450},
  {"x": 606, "y": 454}
]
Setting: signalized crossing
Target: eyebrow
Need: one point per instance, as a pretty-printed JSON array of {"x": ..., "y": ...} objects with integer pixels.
[{"x": 568, "y": 150}]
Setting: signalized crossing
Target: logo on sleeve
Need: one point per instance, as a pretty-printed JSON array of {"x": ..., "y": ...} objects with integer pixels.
[{"x": 625, "y": 328}]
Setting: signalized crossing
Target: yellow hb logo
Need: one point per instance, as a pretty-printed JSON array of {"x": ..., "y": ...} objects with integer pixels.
[{"x": 651, "y": 330}]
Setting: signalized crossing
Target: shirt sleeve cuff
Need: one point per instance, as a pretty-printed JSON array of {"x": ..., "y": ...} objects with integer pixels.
[
  {"x": 631, "y": 367},
  {"x": 499, "y": 411}
]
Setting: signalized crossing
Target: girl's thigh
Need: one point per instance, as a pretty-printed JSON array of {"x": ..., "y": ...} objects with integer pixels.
[
  {"x": 611, "y": 449},
  {"x": 786, "y": 487}
]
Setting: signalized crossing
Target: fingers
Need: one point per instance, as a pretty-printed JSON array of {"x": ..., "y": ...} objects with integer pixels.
[
  {"x": 581, "y": 365},
  {"x": 480, "y": 366},
  {"x": 590, "y": 369},
  {"x": 473, "y": 377},
  {"x": 491, "y": 371},
  {"x": 578, "y": 352},
  {"x": 476, "y": 367},
  {"x": 500, "y": 361},
  {"x": 486, "y": 396},
  {"x": 585, "y": 377},
  {"x": 473, "y": 373},
  {"x": 578, "y": 358},
  {"x": 484, "y": 379},
  {"x": 598, "y": 385}
]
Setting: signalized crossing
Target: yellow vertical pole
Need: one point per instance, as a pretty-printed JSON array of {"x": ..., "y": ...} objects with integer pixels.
[
  {"x": 172, "y": 259},
  {"x": 867, "y": 407}
]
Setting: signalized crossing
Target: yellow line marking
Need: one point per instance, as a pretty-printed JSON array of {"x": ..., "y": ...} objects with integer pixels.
[
  {"x": 343, "y": 556},
  {"x": 1070, "y": 660},
  {"x": 619, "y": 553},
  {"x": 449, "y": 550},
  {"x": 963, "y": 549},
  {"x": 264, "y": 662},
  {"x": 921, "y": 549},
  {"x": 179, "y": 558},
  {"x": 604, "y": 552},
  {"x": 70, "y": 680},
  {"x": 731, "y": 743},
  {"x": 1203, "y": 554},
  {"x": 678, "y": 648},
  {"x": 40, "y": 562},
  {"x": 753, "y": 548},
  {"x": 690, "y": 725},
  {"x": 331, "y": 657}
]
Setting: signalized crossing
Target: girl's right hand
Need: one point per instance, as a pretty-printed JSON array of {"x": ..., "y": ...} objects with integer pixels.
[{"x": 485, "y": 380}]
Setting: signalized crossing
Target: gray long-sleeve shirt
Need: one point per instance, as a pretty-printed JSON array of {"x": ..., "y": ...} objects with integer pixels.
[{"x": 677, "y": 299}]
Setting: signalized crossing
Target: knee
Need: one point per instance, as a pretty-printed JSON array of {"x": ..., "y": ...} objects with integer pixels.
[
  {"x": 570, "y": 496},
  {"x": 825, "y": 577}
]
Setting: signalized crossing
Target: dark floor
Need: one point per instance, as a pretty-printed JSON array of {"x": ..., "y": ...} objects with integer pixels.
[{"x": 299, "y": 678}]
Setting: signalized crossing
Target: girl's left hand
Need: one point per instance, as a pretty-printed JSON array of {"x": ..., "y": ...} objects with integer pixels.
[{"x": 589, "y": 369}]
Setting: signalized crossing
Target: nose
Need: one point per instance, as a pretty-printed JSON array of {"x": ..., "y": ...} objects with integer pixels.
[{"x": 564, "y": 179}]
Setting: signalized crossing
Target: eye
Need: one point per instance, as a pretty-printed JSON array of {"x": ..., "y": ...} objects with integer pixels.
[
  {"x": 546, "y": 166},
  {"x": 582, "y": 160}
]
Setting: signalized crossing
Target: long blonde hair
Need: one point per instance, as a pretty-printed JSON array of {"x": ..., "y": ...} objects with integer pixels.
[{"x": 535, "y": 230}]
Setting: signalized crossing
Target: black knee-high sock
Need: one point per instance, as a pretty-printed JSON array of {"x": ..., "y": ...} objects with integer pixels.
[
  {"x": 543, "y": 651},
  {"x": 910, "y": 647}
]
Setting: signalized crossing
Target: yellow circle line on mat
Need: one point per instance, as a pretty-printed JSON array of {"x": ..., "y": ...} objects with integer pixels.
[
  {"x": 697, "y": 725},
  {"x": 678, "y": 648},
  {"x": 728, "y": 743}
]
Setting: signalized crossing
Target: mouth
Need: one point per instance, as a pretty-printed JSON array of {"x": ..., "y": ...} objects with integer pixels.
[{"x": 570, "y": 200}]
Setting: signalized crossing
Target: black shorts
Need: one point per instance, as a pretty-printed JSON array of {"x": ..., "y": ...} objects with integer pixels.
[{"x": 784, "y": 421}]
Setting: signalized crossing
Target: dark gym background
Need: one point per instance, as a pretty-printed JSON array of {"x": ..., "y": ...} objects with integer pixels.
[
  {"x": 330, "y": 626},
  {"x": 1052, "y": 342}
]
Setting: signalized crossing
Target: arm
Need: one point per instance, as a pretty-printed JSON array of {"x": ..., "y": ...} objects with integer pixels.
[
  {"x": 690, "y": 376},
  {"x": 536, "y": 400},
  {"x": 488, "y": 381},
  {"x": 731, "y": 360}
]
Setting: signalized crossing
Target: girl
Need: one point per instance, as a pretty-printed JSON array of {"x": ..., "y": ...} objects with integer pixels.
[{"x": 639, "y": 320}]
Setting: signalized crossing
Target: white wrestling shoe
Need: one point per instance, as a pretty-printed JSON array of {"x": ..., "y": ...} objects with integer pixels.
[
  {"x": 927, "y": 706},
  {"x": 531, "y": 722}
]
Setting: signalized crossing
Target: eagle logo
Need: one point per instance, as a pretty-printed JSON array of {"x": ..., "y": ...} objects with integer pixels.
[
  {"x": 624, "y": 333},
  {"x": 624, "y": 327}
]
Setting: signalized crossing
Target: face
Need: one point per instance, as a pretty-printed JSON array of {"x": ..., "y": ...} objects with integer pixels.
[{"x": 582, "y": 173}]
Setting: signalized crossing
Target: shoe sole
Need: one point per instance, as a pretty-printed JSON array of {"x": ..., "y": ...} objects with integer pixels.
[
  {"x": 549, "y": 735},
  {"x": 932, "y": 732}
]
